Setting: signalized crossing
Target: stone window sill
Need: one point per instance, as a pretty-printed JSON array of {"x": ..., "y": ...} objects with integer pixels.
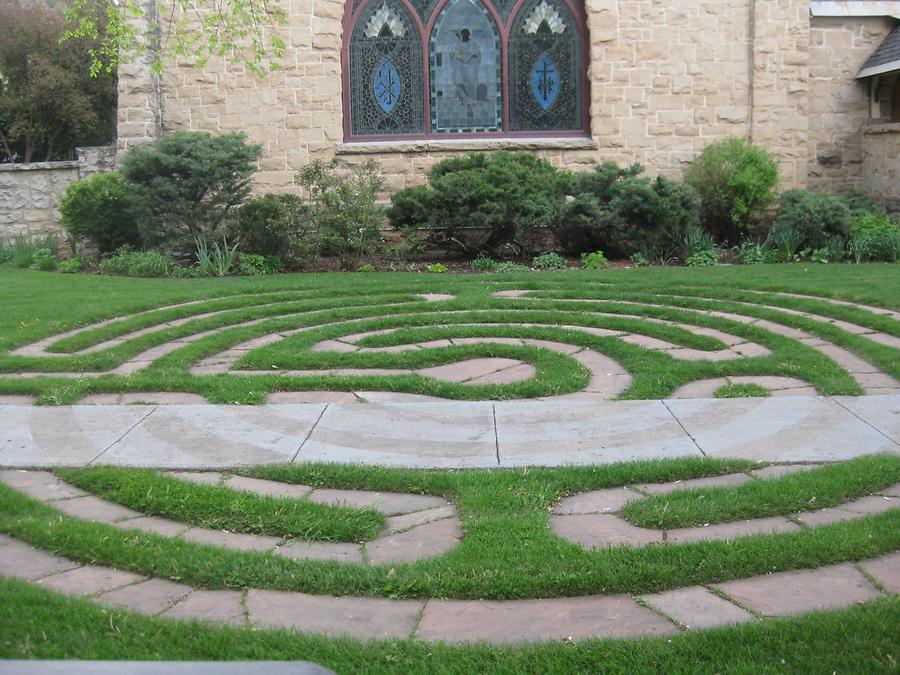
[
  {"x": 882, "y": 128},
  {"x": 466, "y": 144}
]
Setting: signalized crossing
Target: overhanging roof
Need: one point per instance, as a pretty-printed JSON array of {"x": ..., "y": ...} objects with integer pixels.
[{"x": 885, "y": 59}]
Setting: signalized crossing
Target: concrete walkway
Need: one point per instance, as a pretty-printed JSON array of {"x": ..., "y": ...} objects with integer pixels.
[{"x": 451, "y": 434}]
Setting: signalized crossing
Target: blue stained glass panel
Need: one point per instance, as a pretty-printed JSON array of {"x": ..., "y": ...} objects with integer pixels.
[
  {"x": 545, "y": 82},
  {"x": 386, "y": 86}
]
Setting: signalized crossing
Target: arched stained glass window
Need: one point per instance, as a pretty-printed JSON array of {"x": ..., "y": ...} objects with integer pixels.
[{"x": 434, "y": 68}]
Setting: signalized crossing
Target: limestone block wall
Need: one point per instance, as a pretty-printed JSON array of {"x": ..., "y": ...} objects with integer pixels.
[
  {"x": 29, "y": 193},
  {"x": 838, "y": 103},
  {"x": 881, "y": 163},
  {"x": 667, "y": 77}
]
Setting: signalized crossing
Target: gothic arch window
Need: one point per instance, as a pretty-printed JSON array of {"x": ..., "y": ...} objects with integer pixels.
[{"x": 438, "y": 68}]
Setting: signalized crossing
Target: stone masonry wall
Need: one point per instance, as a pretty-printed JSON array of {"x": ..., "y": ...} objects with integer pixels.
[
  {"x": 29, "y": 193},
  {"x": 881, "y": 163},
  {"x": 666, "y": 79},
  {"x": 838, "y": 103}
]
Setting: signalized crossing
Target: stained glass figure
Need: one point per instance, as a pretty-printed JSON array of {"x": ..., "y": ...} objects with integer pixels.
[{"x": 465, "y": 69}]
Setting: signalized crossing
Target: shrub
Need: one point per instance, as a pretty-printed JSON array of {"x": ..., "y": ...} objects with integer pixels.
[
  {"x": 753, "y": 253},
  {"x": 482, "y": 202},
  {"x": 99, "y": 209},
  {"x": 639, "y": 259},
  {"x": 735, "y": 181},
  {"x": 816, "y": 217},
  {"x": 702, "y": 258},
  {"x": 70, "y": 266},
  {"x": 130, "y": 263},
  {"x": 874, "y": 236},
  {"x": 786, "y": 242},
  {"x": 254, "y": 265},
  {"x": 21, "y": 250},
  {"x": 43, "y": 259},
  {"x": 483, "y": 263},
  {"x": 617, "y": 210},
  {"x": 343, "y": 209},
  {"x": 549, "y": 261},
  {"x": 366, "y": 268},
  {"x": 594, "y": 261},
  {"x": 274, "y": 225},
  {"x": 187, "y": 183},
  {"x": 697, "y": 240},
  {"x": 436, "y": 268}
]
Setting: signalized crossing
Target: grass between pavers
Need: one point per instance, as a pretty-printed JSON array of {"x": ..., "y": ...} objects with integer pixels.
[
  {"x": 38, "y": 624},
  {"x": 508, "y": 550},
  {"x": 829, "y": 485},
  {"x": 310, "y": 300},
  {"x": 736, "y": 390},
  {"x": 221, "y": 508}
]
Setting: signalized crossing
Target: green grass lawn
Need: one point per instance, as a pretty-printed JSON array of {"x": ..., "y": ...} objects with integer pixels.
[{"x": 36, "y": 305}]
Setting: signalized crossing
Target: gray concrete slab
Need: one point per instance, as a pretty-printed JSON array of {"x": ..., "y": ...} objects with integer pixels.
[
  {"x": 433, "y": 435},
  {"x": 63, "y": 435},
  {"x": 780, "y": 430},
  {"x": 882, "y": 412},
  {"x": 215, "y": 436},
  {"x": 587, "y": 432}
]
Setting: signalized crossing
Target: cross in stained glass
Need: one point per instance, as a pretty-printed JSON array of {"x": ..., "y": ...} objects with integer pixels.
[
  {"x": 386, "y": 86},
  {"x": 545, "y": 82}
]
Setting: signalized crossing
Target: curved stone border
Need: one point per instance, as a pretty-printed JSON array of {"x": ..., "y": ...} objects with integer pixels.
[
  {"x": 417, "y": 527},
  {"x": 777, "y": 386},
  {"x": 591, "y": 518},
  {"x": 869, "y": 378},
  {"x": 457, "y": 621}
]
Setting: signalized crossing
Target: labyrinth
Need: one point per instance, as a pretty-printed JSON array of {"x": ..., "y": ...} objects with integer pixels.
[{"x": 548, "y": 337}]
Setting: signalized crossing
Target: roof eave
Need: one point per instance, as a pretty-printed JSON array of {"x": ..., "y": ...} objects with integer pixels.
[{"x": 880, "y": 69}]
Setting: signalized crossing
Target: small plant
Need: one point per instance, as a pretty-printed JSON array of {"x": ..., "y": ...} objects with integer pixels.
[
  {"x": 21, "y": 250},
  {"x": 43, "y": 260},
  {"x": 735, "y": 181},
  {"x": 436, "y": 268},
  {"x": 70, "y": 266},
  {"x": 786, "y": 242},
  {"x": 549, "y": 261},
  {"x": 594, "y": 261},
  {"x": 509, "y": 266},
  {"x": 483, "y": 263},
  {"x": 639, "y": 259},
  {"x": 703, "y": 258},
  {"x": 365, "y": 267},
  {"x": 130, "y": 263},
  {"x": 699, "y": 248},
  {"x": 753, "y": 253},
  {"x": 215, "y": 261},
  {"x": 99, "y": 209}
]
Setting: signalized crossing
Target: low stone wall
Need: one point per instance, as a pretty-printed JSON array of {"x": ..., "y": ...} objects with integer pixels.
[
  {"x": 29, "y": 193},
  {"x": 881, "y": 163}
]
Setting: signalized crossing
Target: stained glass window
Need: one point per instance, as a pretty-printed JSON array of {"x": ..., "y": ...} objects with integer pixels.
[{"x": 421, "y": 68}]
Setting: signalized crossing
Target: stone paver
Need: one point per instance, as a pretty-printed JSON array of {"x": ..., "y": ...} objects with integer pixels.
[
  {"x": 92, "y": 508},
  {"x": 463, "y": 371},
  {"x": 519, "y": 373},
  {"x": 218, "y": 606},
  {"x": 602, "y": 530},
  {"x": 596, "y": 501},
  {"x": 268, "y": 488},
  {"x": 885, "y": 570},
  {"x": 779, "y": 470},
  {"x": 728, "y": 480},
  {"x": 455, "y": 621},
  {"x": 707, "y": 388},
  {"x": 388, "y": 503},
  {"x": 144, "y": 398},
  {"x": 16, "y": 399},
  {"x": 89, "y": 580},
  {"x": 148, "y": 597},
  {"x": 41, "y": 485},
  {"x": 849, "y": 510},
  {"x": 21, "y": 561},
  {"x": 696, "y": 607},
  {"x": 408, "y": 520},
  {"x": 423, "y": 541},
  {"x": 312, "y": 397},
  {"x": 882, "y": 412},
  {"x": 232, "y": 540},
  {"x": 728, "y": 531},
  {"x": 311, "y": 550},
  {"x": 798, "y": 592},
  {"x": 363, "y": 618}
]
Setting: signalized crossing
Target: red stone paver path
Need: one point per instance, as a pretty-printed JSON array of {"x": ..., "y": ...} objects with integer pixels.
[
  {"x": 591, "y": 518},
  {"x": 417, "y": 526},
  {"x": 456, "y": 621}
]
